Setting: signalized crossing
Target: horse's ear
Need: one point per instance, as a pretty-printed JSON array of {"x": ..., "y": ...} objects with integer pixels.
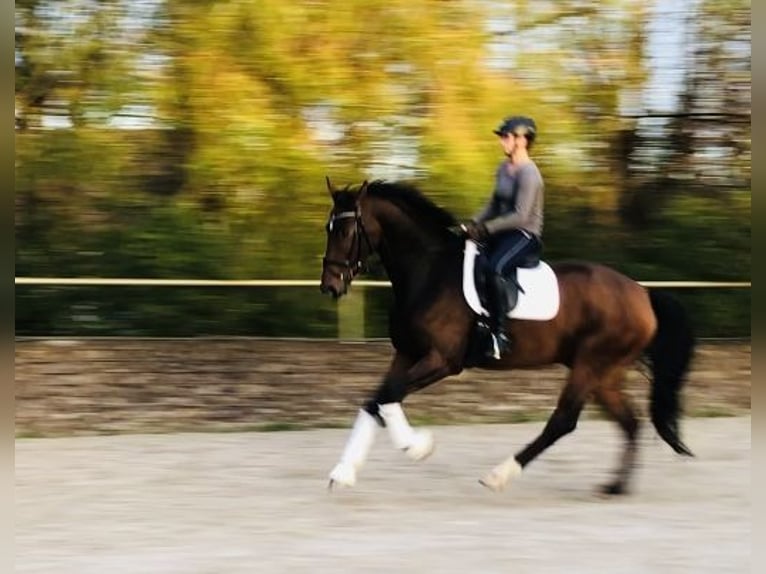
[
  {"x": 362, "y": 190},
  {"x": 330, "y": 187}
]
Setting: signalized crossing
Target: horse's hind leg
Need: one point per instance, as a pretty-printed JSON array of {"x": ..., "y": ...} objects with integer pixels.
[
  {"x": 563, "y": 421},
  {"x": 611, "y": 398}
]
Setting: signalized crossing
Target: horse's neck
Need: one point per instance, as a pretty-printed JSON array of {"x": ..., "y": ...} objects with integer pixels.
[{"x": 410, "y": 254}]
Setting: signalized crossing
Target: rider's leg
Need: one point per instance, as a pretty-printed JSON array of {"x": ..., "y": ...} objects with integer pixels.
[
  {"x": 498, "y": 309},
  {"x": 507, "y": 250}
]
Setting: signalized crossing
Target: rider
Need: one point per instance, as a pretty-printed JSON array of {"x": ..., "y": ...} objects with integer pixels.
[{"x": 511, "y": 223}]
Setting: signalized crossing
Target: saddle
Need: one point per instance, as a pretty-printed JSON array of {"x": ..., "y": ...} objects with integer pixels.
[{"x": 532, "y": 288}]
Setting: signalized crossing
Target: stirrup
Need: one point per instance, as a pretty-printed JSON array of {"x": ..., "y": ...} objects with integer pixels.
[{"x": 500, "y": 343}]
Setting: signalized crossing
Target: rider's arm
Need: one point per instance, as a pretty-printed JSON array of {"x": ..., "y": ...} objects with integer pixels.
[{"x": 486, "y": 212}]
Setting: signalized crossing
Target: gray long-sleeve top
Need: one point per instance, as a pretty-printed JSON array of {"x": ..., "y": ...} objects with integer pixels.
[{"x": 517, "y": 202}]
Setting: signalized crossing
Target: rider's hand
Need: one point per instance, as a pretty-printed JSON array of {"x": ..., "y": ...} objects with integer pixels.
[{"x": 475, "y": 231}]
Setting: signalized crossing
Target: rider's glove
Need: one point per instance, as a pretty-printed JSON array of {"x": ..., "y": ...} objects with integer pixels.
[{"x": 475, "y": 231}]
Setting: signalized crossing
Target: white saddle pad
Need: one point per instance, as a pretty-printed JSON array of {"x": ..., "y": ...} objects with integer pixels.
[{"x": 539, "y": 300}]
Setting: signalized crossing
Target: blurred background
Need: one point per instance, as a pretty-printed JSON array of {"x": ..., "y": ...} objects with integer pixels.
[{"x": 190, "y": 139}]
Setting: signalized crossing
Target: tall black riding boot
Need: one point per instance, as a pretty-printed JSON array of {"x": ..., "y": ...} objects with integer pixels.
[{"x": 498, "y": 302}]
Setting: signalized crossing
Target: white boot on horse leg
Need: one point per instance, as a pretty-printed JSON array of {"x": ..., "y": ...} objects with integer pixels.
[
  {"x": 422, "y": 445},
  {"x": 343, "y": 474},
  {"x": 418, "y": 444},
  {"x": 498, "y": 477},
  {"x": 355, "y": 453}
]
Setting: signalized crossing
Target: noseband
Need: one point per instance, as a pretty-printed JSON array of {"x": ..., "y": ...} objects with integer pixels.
[{"x": 355, "y": 265}]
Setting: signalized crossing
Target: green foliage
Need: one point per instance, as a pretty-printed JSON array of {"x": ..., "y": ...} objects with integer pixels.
[{"x": 194, "y": 138}]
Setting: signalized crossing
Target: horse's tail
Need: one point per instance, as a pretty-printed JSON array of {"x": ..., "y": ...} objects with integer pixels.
[{"x": 670, "y": 353}]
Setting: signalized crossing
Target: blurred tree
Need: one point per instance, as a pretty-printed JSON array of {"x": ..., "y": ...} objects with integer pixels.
[
  {"x": 172, "y": 138},
  {"x": 587, "y": 58},
  {"x": 712, "y": 129}
]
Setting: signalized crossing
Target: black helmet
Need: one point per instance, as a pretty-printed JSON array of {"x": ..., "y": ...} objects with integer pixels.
[{"x": 519, "y": 125}]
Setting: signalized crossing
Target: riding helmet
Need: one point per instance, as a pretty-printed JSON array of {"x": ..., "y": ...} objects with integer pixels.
[{"x": 519, "y": 125}]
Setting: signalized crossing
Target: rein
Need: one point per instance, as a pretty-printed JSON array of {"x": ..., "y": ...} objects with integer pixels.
[{"x": 356, "y": 265}]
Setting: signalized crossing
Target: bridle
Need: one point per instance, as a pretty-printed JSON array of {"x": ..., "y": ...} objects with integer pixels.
[{"x": 352, "y": 265}]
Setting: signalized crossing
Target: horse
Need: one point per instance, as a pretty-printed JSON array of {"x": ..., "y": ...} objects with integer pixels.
[{"x": 604, "y": 324}]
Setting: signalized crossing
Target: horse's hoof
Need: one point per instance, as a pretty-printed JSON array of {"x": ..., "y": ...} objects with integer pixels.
[
  {"x": 343, "y": 475},
  {"x": 498, "y": 477},
  {"x": 494, "y": 482},
  {"x": 613, "y": 489},
  {"x": 422, "y": 445}
]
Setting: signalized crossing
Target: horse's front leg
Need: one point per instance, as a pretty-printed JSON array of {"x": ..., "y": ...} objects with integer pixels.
[
  {"x": 385, "y": 408},
  {"x": 418, "y": 444},
  {"x": 355, "y": 453},
  {"x": 363, "y": 432}
]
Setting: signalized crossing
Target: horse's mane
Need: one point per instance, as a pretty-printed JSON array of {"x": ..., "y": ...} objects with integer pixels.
[{"x": 410, "y": 200}]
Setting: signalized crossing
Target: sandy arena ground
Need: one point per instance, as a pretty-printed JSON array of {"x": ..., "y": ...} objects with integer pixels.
[{"x": 257, "y": 502}]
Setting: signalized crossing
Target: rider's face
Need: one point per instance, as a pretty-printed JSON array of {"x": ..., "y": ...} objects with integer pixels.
[
  {"x": 511, "y": 142},
  {"x": 508, "y": 143}
]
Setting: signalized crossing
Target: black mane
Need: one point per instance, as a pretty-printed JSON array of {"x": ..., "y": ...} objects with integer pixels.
[{"x": 410, "y": 200}]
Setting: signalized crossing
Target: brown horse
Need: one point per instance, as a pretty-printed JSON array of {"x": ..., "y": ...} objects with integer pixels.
[{"x": 605, "y": 322}]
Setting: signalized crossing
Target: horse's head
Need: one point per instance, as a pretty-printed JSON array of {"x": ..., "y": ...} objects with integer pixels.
[{"x": 349, "y": 242}]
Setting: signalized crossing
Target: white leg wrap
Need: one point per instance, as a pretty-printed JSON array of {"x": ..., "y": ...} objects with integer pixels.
[
  {"x": 356, "y": 450},
  {"x": 417, "y": 444},
  {"x": 399, "y": 429},
  {"x": 499, "y": 476}
]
